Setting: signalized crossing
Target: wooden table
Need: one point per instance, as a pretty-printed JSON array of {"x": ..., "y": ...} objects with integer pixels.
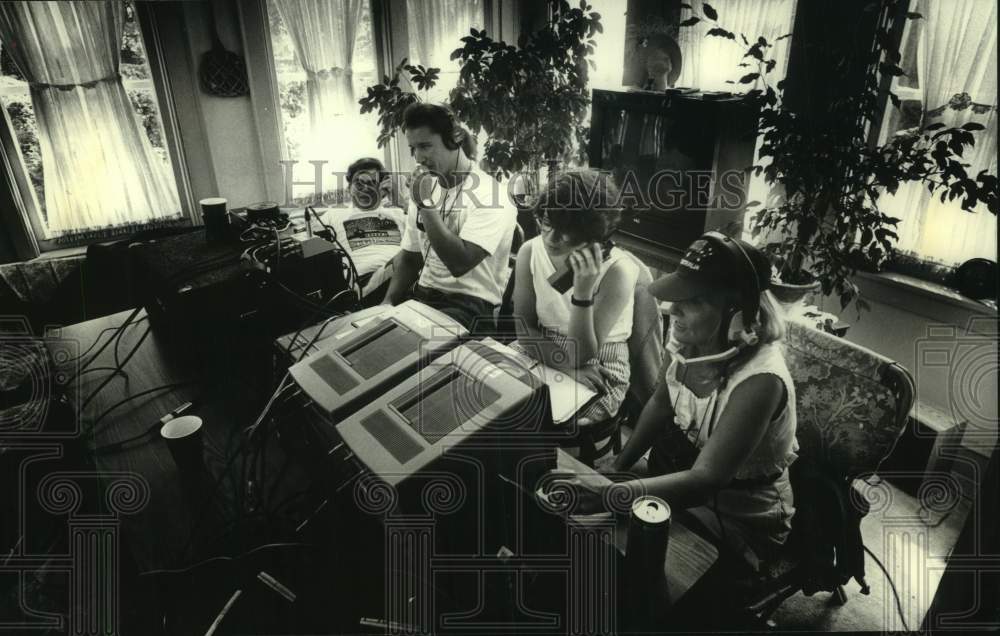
[
  {"x": 180, "y": 517},
  {"x": 175, "y": 525},
  {"x": 689, "y": 556}
]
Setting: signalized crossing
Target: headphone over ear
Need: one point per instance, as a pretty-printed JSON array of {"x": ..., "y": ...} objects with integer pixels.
[
  {"x": 454, "y": 135},
  {"x": 750, "y": 289}
]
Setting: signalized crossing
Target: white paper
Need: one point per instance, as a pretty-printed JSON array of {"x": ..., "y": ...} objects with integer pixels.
[{"x": 565, "y": 393}]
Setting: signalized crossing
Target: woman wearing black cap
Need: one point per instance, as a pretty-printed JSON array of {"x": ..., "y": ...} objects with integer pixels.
[{"x": 720, "y": 427}]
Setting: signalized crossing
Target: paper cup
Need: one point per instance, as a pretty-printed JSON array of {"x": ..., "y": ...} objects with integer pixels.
[{"x": 184, "y": 439}]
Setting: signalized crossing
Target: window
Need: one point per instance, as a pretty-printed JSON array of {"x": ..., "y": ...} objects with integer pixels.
[
  {"x": 84, "y": 121},
  {"x": 949, "y": 58},
  {"x": 324, "y": 57},
  {"x": 320, "y": 77},
  {"x": 609, "y": 49},
  {"x": 709, "y": 63},
  {"x": 434, "y": 29}
]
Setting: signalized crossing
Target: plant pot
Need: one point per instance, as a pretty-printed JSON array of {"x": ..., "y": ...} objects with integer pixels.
[{"x": 789, "y": 294}]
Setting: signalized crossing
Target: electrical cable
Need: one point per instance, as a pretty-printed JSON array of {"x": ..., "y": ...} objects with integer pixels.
[
  {"x": 229, "y": 558},
  {"x": 97, "y": 354},
  {"x": 107, "y": 380},
  {"x": 277, "y": 250},
  {"x": 140, "y": 394},
  {"x": 225, "y": 470},
  {"x": 892, "y": 585},
  {"x": 353, "y": 270},
  {"x": 302, "y": 300},
  {"x": 308, "y": 321},
  {"x": 118, "y": 340},
  {"x": 114, "y": 370},
  {"x": 97, "y": 340},
  {"x": 255, "y": 454}
]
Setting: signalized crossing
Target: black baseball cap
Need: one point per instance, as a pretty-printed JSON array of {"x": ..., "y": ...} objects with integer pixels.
[{"x": 714, "y": 262}]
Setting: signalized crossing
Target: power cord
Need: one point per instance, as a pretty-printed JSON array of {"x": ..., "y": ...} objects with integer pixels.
[
  {"x": 225, "y": 470},
  {"x": 228, "y": 558},
  {"x": 120, "y": 328},
  {"x": 107, "y": 380},
  {"x": 130, "y": 398},
  {"x": 892, "y": 585},
  {"x": 355, "y": 279}
]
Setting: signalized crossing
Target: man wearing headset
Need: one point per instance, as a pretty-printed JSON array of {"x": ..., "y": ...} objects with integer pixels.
[{"x": 458, "y": 228}]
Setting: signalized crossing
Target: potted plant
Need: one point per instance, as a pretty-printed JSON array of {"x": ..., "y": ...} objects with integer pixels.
[
  {"x": 531, "y": 100},
  {"x": 822, "y": 222}
]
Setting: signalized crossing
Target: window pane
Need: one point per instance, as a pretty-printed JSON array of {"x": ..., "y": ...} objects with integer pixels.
[
  {"x": 709, "y": 62},
  {"x": 320, "y": 117},
  {"x": 949, "y": 60},
  {"x": 435, "y": 28},
  {"x": 609, "y": 50},
  {"x": 135, "y": 72}
]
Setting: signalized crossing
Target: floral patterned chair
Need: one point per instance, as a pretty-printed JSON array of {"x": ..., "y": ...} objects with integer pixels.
[{"x": 852, "y": 405}]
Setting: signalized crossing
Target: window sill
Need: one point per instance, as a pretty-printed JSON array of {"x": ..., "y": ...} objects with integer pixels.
[
  {"x": 930, "y": 300},
  {"x": 929, "y": 290},
  {"x": 66, "y": 252}
]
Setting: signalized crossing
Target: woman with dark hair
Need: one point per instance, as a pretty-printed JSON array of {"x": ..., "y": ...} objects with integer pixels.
[
  {"x": 585, "y": 329},
  {"x": 720, "y": 427}
]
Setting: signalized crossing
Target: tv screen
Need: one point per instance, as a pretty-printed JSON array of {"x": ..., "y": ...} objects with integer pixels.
[{"x": 680, "y": 161}]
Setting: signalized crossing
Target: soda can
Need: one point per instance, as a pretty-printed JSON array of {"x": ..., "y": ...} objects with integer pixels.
[{"x": 648, "y": 534}]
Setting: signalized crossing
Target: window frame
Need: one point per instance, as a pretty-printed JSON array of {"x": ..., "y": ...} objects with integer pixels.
[
  {"x": 22, "y": 213},
  {"x": 391, "y": 43},
  {"x": 925, "y": 266}
]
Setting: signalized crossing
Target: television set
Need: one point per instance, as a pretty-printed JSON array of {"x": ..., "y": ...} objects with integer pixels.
[{"x": 680, "y": 158}]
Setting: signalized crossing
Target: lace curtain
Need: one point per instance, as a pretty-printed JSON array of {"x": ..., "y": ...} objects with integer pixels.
[
  {"x": 323, "y": 33},
  {"x": 435, "y": 28},
  {"x": 99, "y": 168},
  {"x": 708, "y": 61},
  {"x": 956, "y": 64}
]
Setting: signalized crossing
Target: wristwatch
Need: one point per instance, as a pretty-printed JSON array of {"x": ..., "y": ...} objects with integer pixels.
[{"x": 581, "y": 303}]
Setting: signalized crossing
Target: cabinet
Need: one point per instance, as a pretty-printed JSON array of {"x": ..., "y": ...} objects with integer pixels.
[{"x": 682, "y": 162}]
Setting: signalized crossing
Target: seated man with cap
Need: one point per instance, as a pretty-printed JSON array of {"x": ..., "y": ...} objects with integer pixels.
[{"x": 459, "y": 229}]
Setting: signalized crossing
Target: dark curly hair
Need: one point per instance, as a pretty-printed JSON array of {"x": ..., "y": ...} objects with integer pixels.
[
  {"x": 365, "y": 163},
  {"x": 582, "y": 204}
]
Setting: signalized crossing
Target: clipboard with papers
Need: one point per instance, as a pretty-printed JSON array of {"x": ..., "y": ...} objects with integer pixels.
[{"x": 568, "y": 397}]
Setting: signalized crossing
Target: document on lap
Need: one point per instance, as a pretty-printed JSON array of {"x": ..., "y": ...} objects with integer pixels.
[{"x": 566, "y": 394}]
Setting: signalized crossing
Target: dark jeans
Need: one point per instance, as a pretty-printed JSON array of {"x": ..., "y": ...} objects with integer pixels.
[{"x": 475, "y": 314}]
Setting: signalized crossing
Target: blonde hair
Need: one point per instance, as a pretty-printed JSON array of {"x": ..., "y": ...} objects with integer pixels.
[
  {"x": 770, "y": 328},
  {"x": 772, "y": 319}
]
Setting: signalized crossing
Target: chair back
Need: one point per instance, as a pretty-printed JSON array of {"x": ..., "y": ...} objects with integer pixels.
[
  {"x": 645, "y": 345},
  {"x": 851, "y": 403},
  {"x": 516, "y": 242},
  {"x": 506, "y": 329}
]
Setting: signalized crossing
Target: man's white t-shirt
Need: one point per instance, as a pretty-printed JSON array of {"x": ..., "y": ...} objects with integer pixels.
[
  {"x": 478, "y": 211},
  {"x": 372, "y": 237}
]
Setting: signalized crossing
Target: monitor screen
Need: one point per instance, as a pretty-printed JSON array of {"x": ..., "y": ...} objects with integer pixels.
[
  {"x": 387, "y": 344},
  {"x": 440, "y": 404}
]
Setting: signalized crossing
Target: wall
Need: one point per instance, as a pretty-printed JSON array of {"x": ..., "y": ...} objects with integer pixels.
[
  {"x": 947, "y": 342},
  {"x": 219, "y": 135}
]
